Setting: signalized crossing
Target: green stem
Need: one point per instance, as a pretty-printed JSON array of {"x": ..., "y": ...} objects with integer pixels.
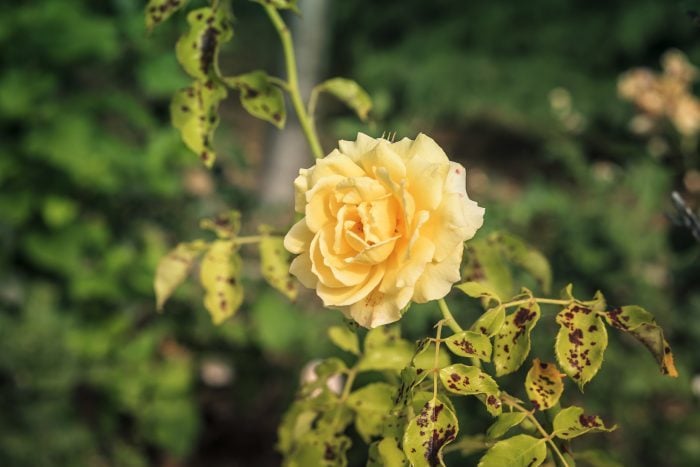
[
  {"x": 436, "y": 362},
  {"x": 512, "y": 402},
  {"x": 550, "y": 301},
  {"x": 293, "y": 80},
  {"x": 449, "y": 319}
]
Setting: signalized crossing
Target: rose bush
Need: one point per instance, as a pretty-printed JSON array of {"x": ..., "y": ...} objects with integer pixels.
[{"x": 385, "y": 224}]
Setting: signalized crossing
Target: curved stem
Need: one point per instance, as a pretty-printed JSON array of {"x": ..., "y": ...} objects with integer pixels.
[
  {"x": 449, "y": 319},
  {"x": 436, "y": 363},
  {"x": 293, "y": 80},
  {"x": 512, "y": 402}
]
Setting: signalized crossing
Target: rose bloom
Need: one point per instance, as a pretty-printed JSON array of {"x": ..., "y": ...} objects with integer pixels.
[{"x": 385, "y": 224}]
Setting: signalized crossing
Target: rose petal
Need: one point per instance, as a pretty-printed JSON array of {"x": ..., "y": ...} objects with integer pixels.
[
  {"x": 343, "y": 296},
  {"x": 438, "y": 277},
  {"x": 298, "y": 238},
  {"x": 301, "y": 268}
]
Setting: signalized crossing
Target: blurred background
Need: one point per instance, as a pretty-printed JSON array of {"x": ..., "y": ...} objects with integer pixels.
[{"x": 95, "y": 186}]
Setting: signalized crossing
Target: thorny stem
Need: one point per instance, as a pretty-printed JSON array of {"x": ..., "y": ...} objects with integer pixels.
[
  {"x": 512, "y": 402},
  {"x": 292, "y": 85}
]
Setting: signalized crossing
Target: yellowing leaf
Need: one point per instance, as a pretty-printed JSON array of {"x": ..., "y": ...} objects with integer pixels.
[
  {"x": 226, "y": 225},
  {"x": 641, "y": 325},
  {"x": 173, "y": 269},
  {"x": 581, "y": 342},
  {"x": 470, "y": 344},
  {"x": 198, "y": 50},
  {"x": 386, "y": 453},
  {"x": 219, "y": 275},
  {"x": 468, "y": 380},
  {"x": 480, "y": 290},
  {"x": 505, "y": 422},
  {"x": 544, "y": 384},
  {"x": 486, "y": 263},
  {"x": 428, "y": 433},
  {"x": 518, "y": 451},
  {"x": 260, "y": 97},
  {"x": 274, "y": 263},
  {"x": 572, "y": 422},
  {"x": 490, "y": 322},
  {"x": 193, "y": 111},
  {"x": 345, "y": 339},
  {"x": 371, "y": 404},
  {"x": 348, "y": 92},
  {"x": 511, "y": 345},
  {"x": 157, "y": 11}
]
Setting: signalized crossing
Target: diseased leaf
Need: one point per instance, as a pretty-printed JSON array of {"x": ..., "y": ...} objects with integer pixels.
[
  {"x": 198, "y": 49},
  {"x": 544, "y": 384},
  {"x": 348, "y": 92},
  {"x": 470, "y": 344},
  {"x": 641, "y": 325},
  {"x": 345, "y": 339},
  {"x": 173, "y": 269},
  {"x": 386, "y": 453},
  {"x": 518, "y": 451},
  {"x": 581, "y": 341},
  {"x": 428, "y": 433},
  {"x": 487, "y": 264},
  {"x": 372, "y": 404},
  {"x": 511, "y": 345},
  {"x": 528, "y": 258},
  {"x": 320, "y": 449},
  {"x": 220, "y": 277},
  {"x": 468, "y": 380},
  {"x": 157, "y": 11},
  {"x": 505, "y": 422},
  {"x": 259, "y": 97},
  {"x": 296, "y": 422},
  {"x": 392, "y": 354},
  {"x": 480, "y": 290},
  {"x": 274, "y": 264},
  {"x": 193, "y": 111},
  {"x": 226, "y": 225},
  {"x": 491, "y": 321},
  {"x": 572, "y": 422}
]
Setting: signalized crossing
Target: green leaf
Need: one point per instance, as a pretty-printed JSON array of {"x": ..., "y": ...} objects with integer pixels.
[
  {"x": 581, "y": 342},
  {"x": 220, "y": 277},
  {"x": 385, "y": 350},
  {"x": 505, "y": 422},
  {"x": 226, "y": 225},
  {"x": 571, "y": 422},
  {"x": 480, "y": 290},
  {"x": 320, "y": 449},
  {"x": 470, "y": 344},
  {"x": 530, "y": 259},
  {"x": 274, "y": 264},
  {"x": 348, "y": 92},
  {"x": 511, "y": 345},
  {"x": 345, "y": 339},
  {"x": 372, "y": 404},
  {"x": 544, "y": 384},
  {"x": 198, "y": 49},
  {"x": 468, "y": 380},
  {"x": 485, "y": 263},
  {"x": 193, "y": 111},
  {"x": 518, "y": 451},
  {"x": 157, "y": 11},
  {"x": 173, "y": 268},
  {"x": 641, "y": 325},
  {"x": 386, "y": 453},
  {"x": 491, "y": 321},
  {"x": 428, "y": 433},
  {"x": 259, "y": 97},
  {"x": 296, "y": 422}
]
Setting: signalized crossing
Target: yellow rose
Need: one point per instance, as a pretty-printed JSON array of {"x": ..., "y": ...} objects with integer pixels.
[{"x": 384, "y": 225}]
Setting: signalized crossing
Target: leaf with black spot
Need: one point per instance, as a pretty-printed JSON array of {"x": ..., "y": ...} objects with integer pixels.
[
  {"x": 194, "y": 111},
  {"x": 198, "y": 49},
  {"x": 274, "y": 264},
  {"x": 482, "y": 290},
  {"x": 491, "y": 321},
  {"x": 571, "y": 422},
  {"x": 386, "y": 452},
  {"x": 470, "y": 344},
  {"x": 220, "y": 276},
  {"x": 511, "y": 345},
  {"x": 581, "y": 341},
  {"x": 226, "y": 225},
  {"x": 544, "y": 384},
  {"x": 486, "y": 263},
  {"x": 157, "y": 11},
  {"x": 466, "y": 380},
  {"x": 322, "y": 449},
  {"x": 518, "y": 451},
  {"x": 428, "y": 433},
  {"x": 348, "y": 92},
  {"x": 259, "y": 97},
  {"x": 174, "y": 267},
  {"x": 641, "y": 325}
]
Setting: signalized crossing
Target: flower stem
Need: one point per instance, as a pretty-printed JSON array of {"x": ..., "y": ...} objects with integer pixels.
[
  {"x": 436, "y": 362},
  {"x": 293, "y": 80},
  {"x": 449, "y": 319},
  {"x": 512, "y": 402}
]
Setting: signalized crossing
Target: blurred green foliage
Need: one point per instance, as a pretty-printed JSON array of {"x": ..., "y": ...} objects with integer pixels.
[{"x": 92, "y": 195}]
